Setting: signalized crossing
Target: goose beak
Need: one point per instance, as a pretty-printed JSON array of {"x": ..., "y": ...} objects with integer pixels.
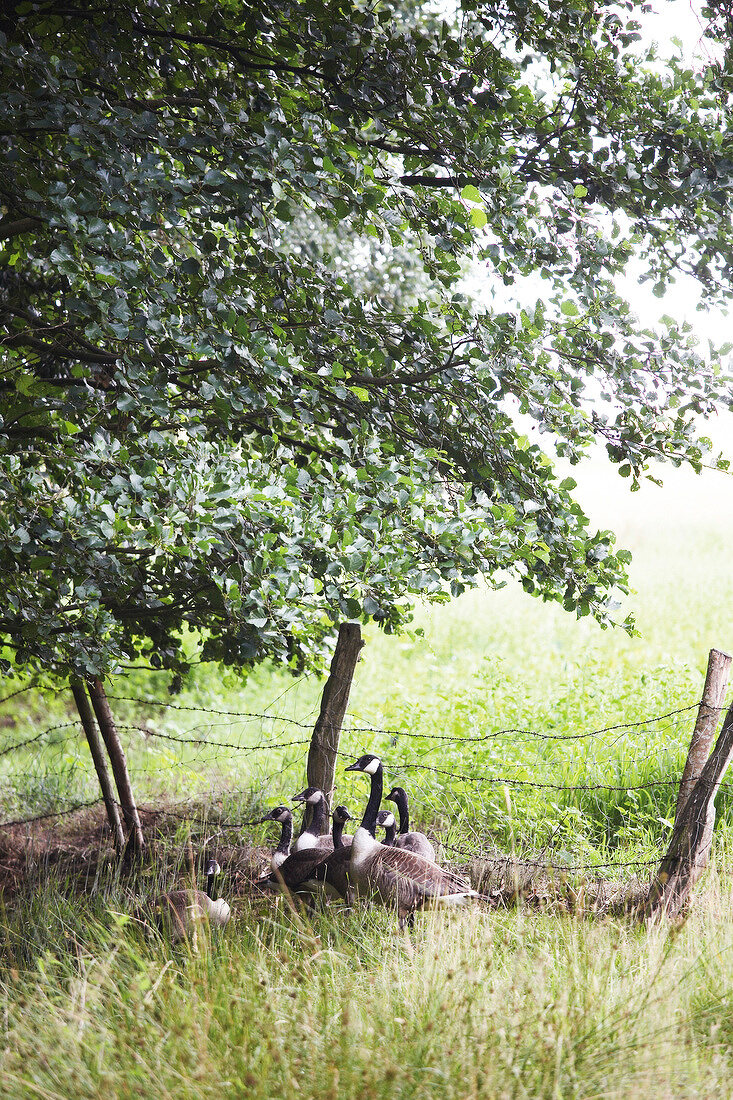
[
  {"x": 298, "y": 797},
  {"x": 353, "y": 767}
]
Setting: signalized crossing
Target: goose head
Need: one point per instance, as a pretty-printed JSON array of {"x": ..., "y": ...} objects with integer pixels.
[
  {"x": 368, "y": 764},
  {"x": 341, "y": 815},
  {"x": 211, "y": 870},
  {"x": 311, "y": 795},
  {"x": 396, "y": 795},
  {"x": 278, "y": 813},
  {"x": 386, "y": 820}
]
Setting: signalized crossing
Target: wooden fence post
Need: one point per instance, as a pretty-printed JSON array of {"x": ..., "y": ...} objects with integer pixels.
[
  {"x": 692, "y": 836},
  {"x": 119, "y": 763},
  {"x": 100, "y": 764},
  {"x": 325, "y": 738},
  {"x": 713, "y": 696}
]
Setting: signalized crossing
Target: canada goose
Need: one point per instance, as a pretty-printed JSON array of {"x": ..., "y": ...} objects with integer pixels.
[
  {"x": 314, "y": 831},
  {"x": 333, "y": 871},
  {"x": 396, "y": 876},
  {"x": 181, "y": 911},
  {"x": 413, "y": 842},
  {"x": 386, "y": 821},
  {"x": 306, "y": 871},
  {"x": 284, "y": 815}
]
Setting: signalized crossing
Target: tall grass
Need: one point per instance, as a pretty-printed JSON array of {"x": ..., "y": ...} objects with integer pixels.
[{"x": 472, "y": 1005}]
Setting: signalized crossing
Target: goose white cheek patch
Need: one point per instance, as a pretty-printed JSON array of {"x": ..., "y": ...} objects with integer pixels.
[{"x": 372, "y": 766}]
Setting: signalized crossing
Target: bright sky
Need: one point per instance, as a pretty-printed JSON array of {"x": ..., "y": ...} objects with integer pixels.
[
  {"x": 684, "y": 495},
  {"x": 668, "y": 20},
  {"x": 680, "y": 20},
  {"x": 686, "y": 500}
]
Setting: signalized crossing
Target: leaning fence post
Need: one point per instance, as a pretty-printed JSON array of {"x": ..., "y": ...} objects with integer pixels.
[
  {"x": 107, "y": 728},
  {"x": 692, "y": 836},
  {"x": 100, "y": 764},
  {"x": 325, "y": 738},
  {"x": 716, "y": 681}
]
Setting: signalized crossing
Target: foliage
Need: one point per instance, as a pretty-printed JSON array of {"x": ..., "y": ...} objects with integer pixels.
[
  {"x": 209, "y": 421},
  {"x": 518, "y": 1003}
]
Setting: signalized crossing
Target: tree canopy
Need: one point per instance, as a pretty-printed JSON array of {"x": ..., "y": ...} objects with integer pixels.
[{"x": 244, "y": 390}]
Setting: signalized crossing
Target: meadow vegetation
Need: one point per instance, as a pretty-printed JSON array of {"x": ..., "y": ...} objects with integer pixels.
[{"x": 520, "y": 1002}]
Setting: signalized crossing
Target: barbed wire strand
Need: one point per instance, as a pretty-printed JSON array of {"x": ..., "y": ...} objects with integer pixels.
[
  {"x": 19, "y": 691},
  {"x": 509, "y": 731}
]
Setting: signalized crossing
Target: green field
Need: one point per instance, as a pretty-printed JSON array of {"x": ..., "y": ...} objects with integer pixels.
[{"x": 523, "y": 1002}]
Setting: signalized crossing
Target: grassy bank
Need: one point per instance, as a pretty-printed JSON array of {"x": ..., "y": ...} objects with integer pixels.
[{"x": 517, "y": 1004}]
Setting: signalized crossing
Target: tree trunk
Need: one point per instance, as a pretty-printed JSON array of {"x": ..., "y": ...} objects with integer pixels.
[
  {"x": 689, "y": 848},
  {"x": 325, "y": 740},
  {"x": 119, "y": 763},
  {"x": 100, "y": 764},
  {"x": 713, "y": 696}
]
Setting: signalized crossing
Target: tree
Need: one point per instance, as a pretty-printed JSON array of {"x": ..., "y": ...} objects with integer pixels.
[{"x": 219, "y": 436}]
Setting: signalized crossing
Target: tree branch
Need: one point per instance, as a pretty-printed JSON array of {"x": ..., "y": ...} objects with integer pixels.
[{"x": 14, "y": 227}]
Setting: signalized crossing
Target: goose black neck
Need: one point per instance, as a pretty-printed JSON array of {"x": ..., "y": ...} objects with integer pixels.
[
  {"x": 389, "y": 834},
  {"x": 286, "y": 835},
  {"x": 210, "y": 878},
  {"x": 307, "y": 816},
  {"x": 369, "y": 820},
  {"x": 318, "y": 824},
  {"x": 404, "y": 813},
  {"x": 338, "y": 834}
]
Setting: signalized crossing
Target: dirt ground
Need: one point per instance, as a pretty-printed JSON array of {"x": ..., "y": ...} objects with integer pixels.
[{"x": 78, "y": 850}]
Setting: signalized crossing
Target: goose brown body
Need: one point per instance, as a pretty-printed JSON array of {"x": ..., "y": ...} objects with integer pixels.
[
  {"x": 296, "y": 873},
  {"x": 180, "y": 912},
  {"x": 396, "y": 876}
]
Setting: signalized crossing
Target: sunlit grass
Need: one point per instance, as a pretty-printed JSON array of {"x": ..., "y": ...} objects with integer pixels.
[{"x": 473, "y": 1004}]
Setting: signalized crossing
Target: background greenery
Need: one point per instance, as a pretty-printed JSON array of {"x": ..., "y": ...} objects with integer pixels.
[{"x": 487, "y": 662}]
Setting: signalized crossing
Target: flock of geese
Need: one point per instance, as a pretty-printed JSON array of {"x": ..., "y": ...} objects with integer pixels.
[{"x": 400, "y": 872}]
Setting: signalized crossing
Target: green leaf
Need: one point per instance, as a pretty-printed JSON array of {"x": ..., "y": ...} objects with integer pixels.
[
  {"x": 187, "y": 445},
  {"x": 471, "y": 193}
]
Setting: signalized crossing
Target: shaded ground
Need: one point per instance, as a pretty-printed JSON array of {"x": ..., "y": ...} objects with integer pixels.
[{"x": 77, "y": 850}]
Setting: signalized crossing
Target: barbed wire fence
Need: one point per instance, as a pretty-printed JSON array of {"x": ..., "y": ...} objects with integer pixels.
[{"x": 658, "y": 752}]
